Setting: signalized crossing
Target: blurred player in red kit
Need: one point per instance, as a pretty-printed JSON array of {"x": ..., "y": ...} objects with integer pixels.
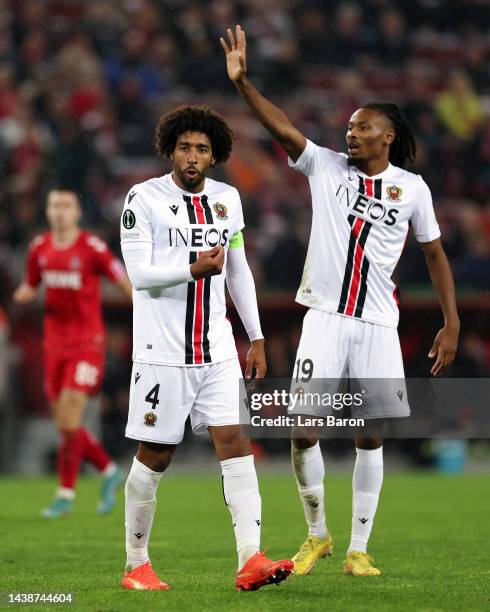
[{"x": 70, "y": 262}]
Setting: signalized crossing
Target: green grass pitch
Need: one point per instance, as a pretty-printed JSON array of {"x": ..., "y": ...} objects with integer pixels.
[{"x": 430, "y": 539}]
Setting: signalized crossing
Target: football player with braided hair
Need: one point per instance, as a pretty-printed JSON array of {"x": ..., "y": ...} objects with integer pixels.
[{"x": 363, "y": 204}]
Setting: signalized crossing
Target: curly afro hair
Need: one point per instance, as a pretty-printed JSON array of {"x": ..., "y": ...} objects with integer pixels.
[{"x": 194, "y": 119}]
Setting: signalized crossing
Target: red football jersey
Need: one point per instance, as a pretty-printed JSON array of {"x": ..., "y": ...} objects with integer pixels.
[{"x": 71, "y": 275}]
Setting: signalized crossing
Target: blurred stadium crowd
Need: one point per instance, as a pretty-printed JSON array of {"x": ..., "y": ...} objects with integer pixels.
[{"x": 82, "y": 84}]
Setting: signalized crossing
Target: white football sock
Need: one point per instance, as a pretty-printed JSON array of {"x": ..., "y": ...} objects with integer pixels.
[
  {"x": 309, "y": 471},
  {"x": 109, "y": 470},
  {"x": 65, "y": 493},
  {"x": 140, "y": 494},
  {"x": 241, "y": 492},
  {"x": 366, "y": 487}
]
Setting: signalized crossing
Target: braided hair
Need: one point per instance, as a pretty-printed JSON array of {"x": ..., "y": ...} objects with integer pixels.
[{"x": 403, "y": 148}]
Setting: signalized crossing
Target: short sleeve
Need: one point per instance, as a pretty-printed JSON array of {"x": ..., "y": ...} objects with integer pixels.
[
  {"x": 105, "y": 263},
  {"x": 423, "y": 220},
  {"x": 135, "y": 221},
  {"x": 33, "y": 271},
  {"x": 314, "y": 159}
]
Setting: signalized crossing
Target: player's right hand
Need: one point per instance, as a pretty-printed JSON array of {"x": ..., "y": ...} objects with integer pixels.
[
  {"x": 236, "y": 53},
  {"x": 209, "y": 263},
  {"x": 24, "y": 294}
]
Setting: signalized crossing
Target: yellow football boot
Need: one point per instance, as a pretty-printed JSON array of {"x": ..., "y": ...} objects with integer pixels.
[
  {"x": 312, "y": 549},
  {"x": 359, "y": 564}
]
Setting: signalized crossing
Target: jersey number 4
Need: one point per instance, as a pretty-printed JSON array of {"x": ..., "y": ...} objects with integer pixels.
[{"x": 152, "y": 397}]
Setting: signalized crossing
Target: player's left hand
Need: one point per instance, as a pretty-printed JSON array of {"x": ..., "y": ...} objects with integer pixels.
[
  {"x": 444, "y": 348},
  {"x": 256, "y": 359}
]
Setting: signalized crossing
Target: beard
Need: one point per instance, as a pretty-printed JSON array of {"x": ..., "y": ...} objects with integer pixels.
[{"x": 190, "y": 183}]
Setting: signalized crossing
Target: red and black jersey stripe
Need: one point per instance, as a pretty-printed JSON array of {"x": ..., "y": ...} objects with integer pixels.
[
  {"x": 363, "y": 288},
  {"x": 198, "y": 293},
  {"x": 348, "y": 267},
  {"x": 354, "y": 286},
  {"x": 207, "y": 211},
  {"x": 189, "y": 316},
  {"x": 370, "y": 187}
]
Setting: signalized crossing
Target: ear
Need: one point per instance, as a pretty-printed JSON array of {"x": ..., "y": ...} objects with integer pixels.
[
  {"x": 390, "y": 136},
  {"x": 213, "y": 161}
]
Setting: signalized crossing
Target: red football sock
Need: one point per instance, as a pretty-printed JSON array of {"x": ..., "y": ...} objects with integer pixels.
[
  {"x": 70, "y": 457},
  {"x": 94, "y": 452}
]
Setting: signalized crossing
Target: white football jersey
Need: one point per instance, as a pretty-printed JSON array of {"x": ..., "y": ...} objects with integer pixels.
[
  {"x": 185, "y": 324},
  {"x": 359, "y": 228}
]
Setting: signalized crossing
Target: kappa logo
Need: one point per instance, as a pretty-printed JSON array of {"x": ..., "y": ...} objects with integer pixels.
[
  {"x": 139, "y": 535},
  {"x": 137, "y": 377},
  {"x": 394, "y": 193},
  {"x": 258, "y": 522},
  {"x": 129, "y": 219},
  {"x": 400, "y": 394},
  {"x": 174, "y": 208},
  {"x": 150, "y": 419},
  {"x": 131, "y": 196},
  {"x": 364, "y": 520},
  {"x": 221, "y": 211}
]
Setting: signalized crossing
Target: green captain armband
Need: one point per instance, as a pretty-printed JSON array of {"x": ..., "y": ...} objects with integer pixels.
[{"x": 236, "y": 240}]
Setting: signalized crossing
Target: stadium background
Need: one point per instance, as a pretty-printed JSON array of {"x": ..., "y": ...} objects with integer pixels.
[{"x": 82, "y": 85}]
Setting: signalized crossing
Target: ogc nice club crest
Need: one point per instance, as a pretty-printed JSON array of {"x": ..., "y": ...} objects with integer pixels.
[
  {"x": 220, "y": 210},
  {"x": 150, "y": 419},
  {"x": 394, "y": 193}
]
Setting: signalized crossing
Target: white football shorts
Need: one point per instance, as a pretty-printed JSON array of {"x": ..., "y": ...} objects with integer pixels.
[
  {"x": 162, "y": 397},
  {"x": 344, "y": 354}
]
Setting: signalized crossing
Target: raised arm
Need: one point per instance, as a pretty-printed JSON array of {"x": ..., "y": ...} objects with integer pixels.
[{"x": 272, "y": 118}]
